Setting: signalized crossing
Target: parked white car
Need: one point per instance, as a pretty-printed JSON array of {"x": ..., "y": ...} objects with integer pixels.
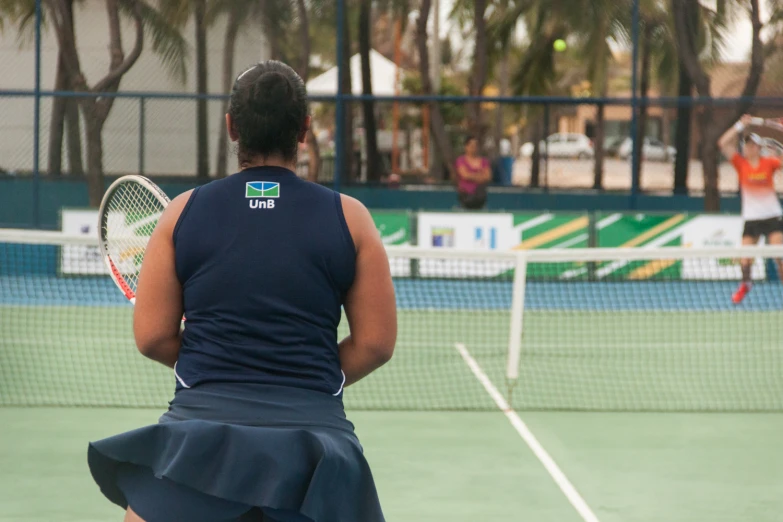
[
  {"x": 654, "y": 150},
  {"x": 562, "y": 145}
]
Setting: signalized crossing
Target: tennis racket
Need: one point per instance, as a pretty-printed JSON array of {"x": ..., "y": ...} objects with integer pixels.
[
  {"x": 128, "y": 214},
  {"x": 772, "y": 123}
]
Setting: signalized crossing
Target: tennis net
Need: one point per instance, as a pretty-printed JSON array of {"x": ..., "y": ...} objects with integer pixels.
[{"x": 587, "y": 329}]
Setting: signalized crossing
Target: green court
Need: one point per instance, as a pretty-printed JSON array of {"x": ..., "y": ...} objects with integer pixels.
[
  {"x": 641, "y": 401},
  {"x": 627, "y": 360},
  {"x": 459, "y": 467}
]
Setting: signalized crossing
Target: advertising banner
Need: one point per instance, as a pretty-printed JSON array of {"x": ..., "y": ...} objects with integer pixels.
[
  {"x": 394, "y": 227},
  {"x": 81, "y": 259},
  {"x": 716, "y": 231}
]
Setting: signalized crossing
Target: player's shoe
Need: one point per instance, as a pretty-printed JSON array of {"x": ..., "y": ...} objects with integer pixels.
[{"x": 741, "y": 292}]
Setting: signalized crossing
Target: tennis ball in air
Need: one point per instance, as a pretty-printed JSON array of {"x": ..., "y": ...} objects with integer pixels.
[{"x": 560, "y": 45}]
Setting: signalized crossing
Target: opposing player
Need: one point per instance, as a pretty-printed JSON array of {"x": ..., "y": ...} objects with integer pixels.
[
  {"x": 261, "y": 264},
  {"x": 761, "y": 208}
]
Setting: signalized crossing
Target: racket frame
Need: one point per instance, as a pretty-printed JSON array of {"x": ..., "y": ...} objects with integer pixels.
[
  {"x": 114, "y": 272},
  {"x": 772, "y": 123}
]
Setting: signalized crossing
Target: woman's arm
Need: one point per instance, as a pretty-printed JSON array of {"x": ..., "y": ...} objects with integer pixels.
[
  {"x": 157, "y": 316},
  {"x": 486, "y": 171},
  {"x": 461, "y": 170},
  {"x": 728, "y": 142},
  {"x": 370, "y": 304},
  {"x": 482, "y": 176}
]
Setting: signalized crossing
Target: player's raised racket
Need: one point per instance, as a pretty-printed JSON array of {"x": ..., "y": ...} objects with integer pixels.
[
  {"x": 129, "y": 213},
  {"x": 773, "y": 123}
]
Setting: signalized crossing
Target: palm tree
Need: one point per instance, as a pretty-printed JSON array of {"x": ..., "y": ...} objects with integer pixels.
[
  {"x": 374, "y": 165},
  {"x": 588, "y": 25},
  {"x": 599, "y": 23},
  {"x": 536, "y": 73},
  {"x": 682, "y": 140},
  {"x": 499, "y": 47},
  {"x": 177, "y": 13},
  {"x": 660, "y": 63},
  {"x": 202, "y": 122},
  {"x": 235, "y": 17},
  {"x": 313, "y": 150},
  {"x": 711, "y": 124},
  {"x": 275, "y": 18},
  {"x": 345, "y": 89},
  {"x": 437, "y": 125},
  {"x": 237, "y": 14},
  {"x": 65, "y": 110},
  {"x": 166, "y": 42},
  {"x": 474, "y": 12}
]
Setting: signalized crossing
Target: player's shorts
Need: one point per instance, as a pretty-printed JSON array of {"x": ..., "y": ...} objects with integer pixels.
[
  {"x": 763, "y": 227},
  {"x": 228, "y": 452}
]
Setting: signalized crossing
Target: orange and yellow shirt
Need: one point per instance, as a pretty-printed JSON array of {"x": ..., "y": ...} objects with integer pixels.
[{"x": 757, "y": 187}]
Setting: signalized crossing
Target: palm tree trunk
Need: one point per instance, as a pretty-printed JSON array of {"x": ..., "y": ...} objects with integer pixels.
[
  {"x": 711, "y": 124},
  {"x": 95, "y": 179},
  {"x": 504, "y": 81},
  {"x": 313, "y": 150},
  {"x": 202, "y": 136},
  {"x": 644, "y": 87},
  {"x": 598, "y": 141},
  {"x": 479, "y": 73},
  {"x": 437, "y": 124},
  {"x": 709, "y": 160},
  {"x": 73, "y": 137},
  {"x": 374, "y": 166},
  {"x": 57, "y": 121},
  {"x": 683, "y": 133},
  {"x": 271, "y": 31},
  {"x": 304, "y": 37},
  {"x": 345, "y": 88},
  {"x": 535, "y": 158},
  {"x": 73, "y": 133},
  {"x": 65, "y": 116},
  {"x": 229, "y": 48}
]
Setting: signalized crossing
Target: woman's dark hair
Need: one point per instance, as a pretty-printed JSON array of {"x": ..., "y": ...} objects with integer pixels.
[
  {"x": 268, "y": 108},
  {"x": 468, "y": 139}
]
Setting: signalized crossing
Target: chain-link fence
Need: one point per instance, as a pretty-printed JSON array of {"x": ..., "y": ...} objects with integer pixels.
[
  {"x": 577, "y": 140},
  {"x": 544, "y": 144}
]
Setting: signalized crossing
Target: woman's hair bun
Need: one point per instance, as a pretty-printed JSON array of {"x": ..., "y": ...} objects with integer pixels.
[
  {"x": 271, "y": 92},
  {"x": 268, "y": 108}
]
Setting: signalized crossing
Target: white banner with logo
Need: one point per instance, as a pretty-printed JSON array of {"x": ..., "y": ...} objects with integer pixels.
[
  {"x": 488, "y": 231},
  {"x": 81, "y": 259},
  {"x": 716, "y": 231},
  {"x": 467, "y": 231}
]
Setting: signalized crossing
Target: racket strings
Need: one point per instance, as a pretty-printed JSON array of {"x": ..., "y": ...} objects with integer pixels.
[{"x": 132, "y": 213}]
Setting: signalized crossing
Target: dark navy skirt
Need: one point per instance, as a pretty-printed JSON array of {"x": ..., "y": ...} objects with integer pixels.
[{"x": 240, "y": 453}]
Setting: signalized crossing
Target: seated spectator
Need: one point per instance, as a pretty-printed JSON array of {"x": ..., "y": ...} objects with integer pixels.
[{"x": 473, "y": 175}]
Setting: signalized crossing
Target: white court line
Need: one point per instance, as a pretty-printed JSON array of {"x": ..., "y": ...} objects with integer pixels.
[{"x": 549, "y": 464}]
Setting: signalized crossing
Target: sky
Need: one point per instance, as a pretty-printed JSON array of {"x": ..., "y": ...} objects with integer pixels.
[
  {"x": 738, "y": 48},
  {"x": 739, "y": 43}
]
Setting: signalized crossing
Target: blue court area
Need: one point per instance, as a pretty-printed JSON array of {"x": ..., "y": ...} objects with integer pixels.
[{"x": 445, "y": 294}]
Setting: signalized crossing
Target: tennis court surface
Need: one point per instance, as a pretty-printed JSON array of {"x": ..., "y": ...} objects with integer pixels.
[{"x": 638, "y": 391}]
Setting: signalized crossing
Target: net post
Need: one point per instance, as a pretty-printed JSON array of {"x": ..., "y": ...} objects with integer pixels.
[{"x": 517, "y": 313}]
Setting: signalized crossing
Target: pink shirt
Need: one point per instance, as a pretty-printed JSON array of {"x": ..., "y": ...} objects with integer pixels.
[{"x": 465, "y": 185}]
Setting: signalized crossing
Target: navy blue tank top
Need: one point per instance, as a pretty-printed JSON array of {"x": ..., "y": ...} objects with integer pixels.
[{"x": 265, "y": 260}]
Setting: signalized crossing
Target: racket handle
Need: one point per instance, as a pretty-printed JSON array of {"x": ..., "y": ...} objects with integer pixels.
[{"x": 757, "y": 121}]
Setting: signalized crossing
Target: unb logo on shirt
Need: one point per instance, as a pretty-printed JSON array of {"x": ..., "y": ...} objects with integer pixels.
[{"x": 262, "y": 189}]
